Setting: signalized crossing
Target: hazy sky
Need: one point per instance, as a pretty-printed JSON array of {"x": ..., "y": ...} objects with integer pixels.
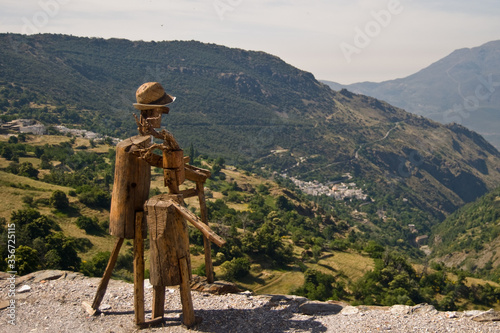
[{"x": 344, "y": 41}]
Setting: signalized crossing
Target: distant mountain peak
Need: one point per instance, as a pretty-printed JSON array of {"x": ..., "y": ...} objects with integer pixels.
[{"x": 463, "y": 87}]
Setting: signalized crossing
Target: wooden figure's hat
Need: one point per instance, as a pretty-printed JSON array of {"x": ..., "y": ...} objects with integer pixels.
[{"x": 151, "y": 95}]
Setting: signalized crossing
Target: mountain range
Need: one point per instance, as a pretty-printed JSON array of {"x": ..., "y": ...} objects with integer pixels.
[
  {"x": 462, "y": 88},
  {"x": 257, "y": 112}
]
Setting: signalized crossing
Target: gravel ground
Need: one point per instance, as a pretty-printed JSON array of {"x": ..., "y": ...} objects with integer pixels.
[{"x": 55, "y": 306}]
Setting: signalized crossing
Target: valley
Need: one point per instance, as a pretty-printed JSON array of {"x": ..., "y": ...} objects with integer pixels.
[{"x": 318, "y": 192}]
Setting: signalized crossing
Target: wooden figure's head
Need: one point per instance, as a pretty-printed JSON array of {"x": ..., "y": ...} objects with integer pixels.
[{"x": 152, "y": 100}]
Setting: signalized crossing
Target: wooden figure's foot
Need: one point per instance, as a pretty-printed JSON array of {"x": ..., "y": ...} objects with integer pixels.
[
  {"x": 197, "y": 320},
  {"x": 151, "y": 323},
  {"x": 158, "y": 301},
  {"x": 89, "y": 309}
]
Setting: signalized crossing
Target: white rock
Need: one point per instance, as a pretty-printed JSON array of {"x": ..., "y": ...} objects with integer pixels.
[
  {"x": 349, "y": 310},
  {"x": 105, "y": 307},
  {"x": 451, "y": 314},
  {"x": 316, "y": 307},
  {"x": 147, "y": 284},
  {"x": 24, "y": 289},
  {"x": 424, "y": 308},
  {"x": 400, "y": 309},
  {"x": 472, "y": 313},
  {"x": 490, "y": 315}
]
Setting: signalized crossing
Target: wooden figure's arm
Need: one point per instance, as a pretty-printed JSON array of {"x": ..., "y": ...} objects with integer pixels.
[
  {"x": 195, "y": 221},
  {"x": 196, "y": 174}
]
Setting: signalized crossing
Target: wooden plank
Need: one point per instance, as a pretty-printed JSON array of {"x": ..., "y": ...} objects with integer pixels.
[
  {"x": 195, "y": 221},
  {"x": 173, "y": 166},
  {"x": 209, "y": 270},
  {"x": 130, "y": 187},
  {"x": 155, "y": 160},
  {"x": 139, "y": 270},
  {"x": 181, "y": 240},
  {"x": 196, "y": 174},
  {"x": 88, "y": 308},
  {"x": 164, "y": 270},
  {"x": 191, "y": 192},
  {"x": 185, "y": 290},
  {"x": 103, "y": 285},
  {"x": 170, "y": 180},
  {"x": 205, "y": 172},
  {"x": 158, "y": 302}
]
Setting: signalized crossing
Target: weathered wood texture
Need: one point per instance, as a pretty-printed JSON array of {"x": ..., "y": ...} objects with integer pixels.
[
  {"x": 130, "y": 188},
  {"x": 185, "y": 289},
  {"x": 188, "y": 193},
  {"x": 103, "y": 285},
  {"x": 195, "y": 221},
  {"x": 196, "y": 174},
  {"x": 173, "y": 168},
  {"x": 158, "y": 302},
  {"x": 209, "y": 270},
  {"x": 169, "y": 239},
  {"x": 139, "y": 270}
]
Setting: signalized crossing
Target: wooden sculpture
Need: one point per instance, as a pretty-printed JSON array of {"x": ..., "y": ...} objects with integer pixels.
[{"x": 165, "y": 215}]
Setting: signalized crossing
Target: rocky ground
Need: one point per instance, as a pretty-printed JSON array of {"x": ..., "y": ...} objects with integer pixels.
[{"x": 51, "y": 301}]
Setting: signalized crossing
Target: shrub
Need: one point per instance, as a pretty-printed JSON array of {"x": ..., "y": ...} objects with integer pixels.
[
  {"x": 95, "y": 197},
  {"x": 26, "y": 260},
  {"x": 200, "y": 271},
  {"x": 90, "y": 225},
  {"x": 59, "y": 200},
  {"x": 236, "y": 268},
  {"x": 97, "y": 265},
  {"x": 26, "y": 169},
  {"x": 320, "y": 286}
]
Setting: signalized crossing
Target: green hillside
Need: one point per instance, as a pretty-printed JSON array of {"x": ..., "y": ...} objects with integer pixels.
[
  {"x": 257, "y": 112},
  {"x": 470, "y": 237},
  {"x": 278, "y": 240}
]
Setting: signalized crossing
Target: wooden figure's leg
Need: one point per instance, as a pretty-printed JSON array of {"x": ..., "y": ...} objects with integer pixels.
[
  {"x": 158, "y": 302},
  {"x": 138, "y": 270},
  {"x": 187, "y": 302},
  {"x": 101, "y": 290},
  {"x": 209, "y": 270}
]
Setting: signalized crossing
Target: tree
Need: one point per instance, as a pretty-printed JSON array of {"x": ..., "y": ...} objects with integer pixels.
[
  {"x": 220, "y": 161},
  {"x": 65, "y": 248},
  {"x": 320, "y": 286},
  {"x": 94, "y": 197},
  {"x": 40, "y": 227},
  {"x": 216, "y": 168},
  {"x": 26, "y": 260},
  {"x": 90, "y": 225},
  {"x": 45, "y": 162},
  {"x": 236, "y": 268},
  {"x": 374, "y": 249},
  {"x": 97, "y": 265},
  {"x": 7, "y": 153},
  {"x": 59, "y": 200},
  {"x": 39, "y": 151},
  {"x": 282, "y": 203},
  {"x": 26, "y": 169},
  {"x": 191, "y": 153}
]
